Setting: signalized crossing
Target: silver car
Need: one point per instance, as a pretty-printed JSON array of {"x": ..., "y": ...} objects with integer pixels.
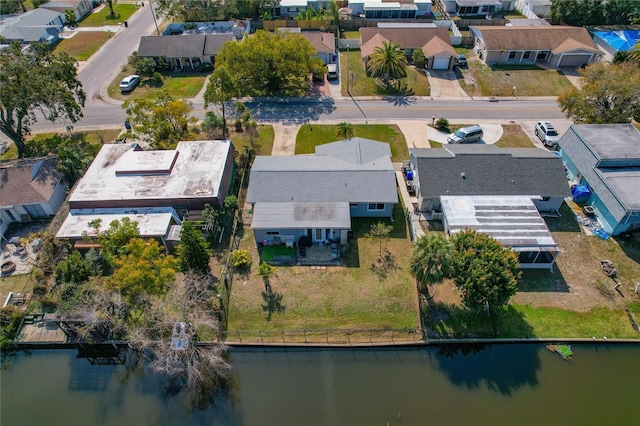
[
  {"x": 129, "y": 83},
  {"x": 547, "y": 134}
]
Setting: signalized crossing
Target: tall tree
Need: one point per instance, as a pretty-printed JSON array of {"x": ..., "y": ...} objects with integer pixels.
[
  {"x": 143, "y": 268},
  {"x": 268, "y": 64},
  {"x": 581, "y": 13},
  {"x": 192, "y": 10},
  {"x": 485, "y": 272},
  {"x": 113, "y": 239},
  {"x": 266, "y": 271},
  {"x": 193, "y": 251},
  {"x": 379, "y": 232},
  {"x": 163, "y": 121},
  {"x": 608, "y": 94},
  {"x": 36, "y": 81},
  {"x": 431, "y": 260},
  {"x": 110, "y": 3},
  {"x": 221, "y": 89},
  {"x": 387, "y": 61},
  {"x": 345, "y": 130}
]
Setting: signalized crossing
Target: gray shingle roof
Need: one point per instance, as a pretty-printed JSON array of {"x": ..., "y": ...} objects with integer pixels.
[
  {"x": 182, "y": 46},
  {"x": 28, "y": 181},
  {"x": 333, "y": 174},
  {"x": 587, "y": 146},
  {"x": 31, "y": 26},
  {"x": 489, "y": 170}
]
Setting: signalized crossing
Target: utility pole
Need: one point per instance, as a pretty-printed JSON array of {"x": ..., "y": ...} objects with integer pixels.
[
  {"x": 154, "y": 16},
  {"x": 348, "y": 69}
]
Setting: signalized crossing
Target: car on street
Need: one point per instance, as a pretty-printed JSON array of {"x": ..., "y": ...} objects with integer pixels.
[
  {"x": 461, "y": 61},
  {"x": 129, "y": 83},
  {"x": 547, "y": 133}
]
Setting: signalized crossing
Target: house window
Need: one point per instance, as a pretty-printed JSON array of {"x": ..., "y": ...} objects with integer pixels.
[
  {"x": 375, "y": 206},
  {"x": 273, "y": 233},
  {"x": 512, "y": 55},
  {"x": 318, "y": 233},
  {"x": 542, "y": 56},
  {"x": 526, "y": 55}
]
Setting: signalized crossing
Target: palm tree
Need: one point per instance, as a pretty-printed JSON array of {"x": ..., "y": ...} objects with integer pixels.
[
  {"x": 634, "y": 54},
  {"x": 431, "y": 261},
  {"x": 387, "y": 61},
  {"x": 345, "y": 130}
]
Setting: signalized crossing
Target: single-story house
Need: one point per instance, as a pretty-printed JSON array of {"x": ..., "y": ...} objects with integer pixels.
[
  {"x": 324, "y": 44},
  {"x": 293, "y": 8},
  {"x": 80, "y": 8},
  {"x": 315, "y": 196},
  {"x": 477, "y": 7},
  {"x": 153, "y": 222},
  {"x": 391, "y": 9},
  {"x": 239, "y": 28},
  {"x": 487, "y": 170},
  {"x": 559, "y": 46},
  {"x": 614, "y": 41},
  {"x": 31, "y": 188},
  {"x": 542, "y": 8},
  {"x": 124, "y": 176},
  {"x": 185, "y": 51},
  {"x": 512, "y": 220},
  {"x": 606, "y": 158},
  {"x": 35, "y": 25},
  {"x": 434, "y": 42}
]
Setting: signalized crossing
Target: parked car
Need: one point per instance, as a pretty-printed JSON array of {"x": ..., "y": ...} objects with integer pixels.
[
  {"x": 547, "y": 133},
  {"x": 466, "y": 135},
  {"x": 129, "y": 83},
  {"x": 461, "y": 61},
  {"x": 332, "y": 71}
]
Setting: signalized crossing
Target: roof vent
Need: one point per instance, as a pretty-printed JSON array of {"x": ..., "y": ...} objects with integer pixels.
[{"x": 463, "y": 176}]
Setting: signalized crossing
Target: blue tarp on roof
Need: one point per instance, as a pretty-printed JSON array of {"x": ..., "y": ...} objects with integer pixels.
[{"x": 620, "y": 40}]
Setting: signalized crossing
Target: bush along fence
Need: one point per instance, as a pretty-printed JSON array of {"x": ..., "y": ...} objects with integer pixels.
[{"x": 325, "y": 337}]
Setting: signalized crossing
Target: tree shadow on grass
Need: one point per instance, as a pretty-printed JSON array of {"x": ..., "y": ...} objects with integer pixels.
[
  {"x": 447, "y": 321},
  {"x": 272, "y": 302},
  {"x": 385, "y": 264}
]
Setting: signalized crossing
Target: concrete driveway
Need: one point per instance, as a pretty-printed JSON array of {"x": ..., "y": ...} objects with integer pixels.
[
  {"x": 444, "y": 85},
  {"x": 492, "y": 134}
]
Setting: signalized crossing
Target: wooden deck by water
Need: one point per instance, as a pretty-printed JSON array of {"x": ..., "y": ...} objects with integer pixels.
[{"x": 41, "y": 330}]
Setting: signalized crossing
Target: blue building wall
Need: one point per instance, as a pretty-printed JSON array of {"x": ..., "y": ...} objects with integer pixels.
[{"x": 362, "y": 210}]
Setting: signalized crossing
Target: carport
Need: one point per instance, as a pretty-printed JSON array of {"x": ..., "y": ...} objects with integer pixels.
[{"x": 513, "y": 221}]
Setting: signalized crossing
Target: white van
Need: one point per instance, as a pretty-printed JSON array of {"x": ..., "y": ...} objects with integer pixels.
[{"x": 466, "y": 135}]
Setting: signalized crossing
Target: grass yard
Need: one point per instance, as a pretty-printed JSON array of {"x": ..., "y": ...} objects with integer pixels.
[
  {"x": 83, "y": 44},
  {"x": 269, "y": 252},
  {"x": 318, "y": 134},
  {"x": 350, "y": 34},
  {"x": 499, "y": 80},
  {"x": 99, "y": 19},
  {"x": 368, "y": 292},
  {"x": 360, "y": 84},
  {"x": 434, "y": 144},
  {"x": 514, "y": 137},
  {"x": 16, "y": 284},
  {"x": 179, "y": 85},
  {"x": 263, "y": 144}
]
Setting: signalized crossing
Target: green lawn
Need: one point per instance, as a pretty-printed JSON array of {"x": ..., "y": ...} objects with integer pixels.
[
  {"x": 269, "y": 252},
  {"x": 453, "y": 321},
  {"x": 99, "y": 19},
  {"x": 263, "y": 144},
  {"x": 16, "y": 284},
  {"x": 317, "y": 134},
  {"x": 350, "y": 34},
  {"x": 499, "y": 80},
  {"x": 179, "y": 85},
  {"x": 360, "y": 84},
  {"x": 514, "y": 137},
  {"x": 83, "y": 44}
]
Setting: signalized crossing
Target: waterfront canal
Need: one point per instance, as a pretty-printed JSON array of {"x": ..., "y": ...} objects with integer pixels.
[{"x": 515, "y": 384}]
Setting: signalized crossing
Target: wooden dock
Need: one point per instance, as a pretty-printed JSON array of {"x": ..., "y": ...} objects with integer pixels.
[{"x": 40, "y": 329}]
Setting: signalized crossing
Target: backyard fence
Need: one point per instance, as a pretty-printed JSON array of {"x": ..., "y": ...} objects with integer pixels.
[{"x": 325, "y": 337}]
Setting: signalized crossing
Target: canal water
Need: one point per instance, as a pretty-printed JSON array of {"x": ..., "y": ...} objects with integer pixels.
[{"x": 523, "y": 384}]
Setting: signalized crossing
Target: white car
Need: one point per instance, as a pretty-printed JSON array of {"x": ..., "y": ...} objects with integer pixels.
[
  {"x": 547, "y": 134},
  {"x": 129, "y": 83}
]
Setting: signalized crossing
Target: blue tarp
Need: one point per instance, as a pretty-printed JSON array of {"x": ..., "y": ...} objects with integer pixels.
[{"x": 580, "y": 193}]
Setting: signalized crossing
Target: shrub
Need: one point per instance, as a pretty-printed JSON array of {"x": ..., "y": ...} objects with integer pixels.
[
  {"x": 238, "y": 125},
  {"x": 156, "y": 79},
  {"x": 241, "y": 259},
  {"x": 10, "y": 318},
  {"x": 418, "y": 58},
  {"x": 442, "y": 124},
  {"x": 145, "y": 67}
]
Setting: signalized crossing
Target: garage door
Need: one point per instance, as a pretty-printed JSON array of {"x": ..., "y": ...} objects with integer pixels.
[
  {"x": 441, "y": 63},
  {"x": 574, "y": 60}
]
